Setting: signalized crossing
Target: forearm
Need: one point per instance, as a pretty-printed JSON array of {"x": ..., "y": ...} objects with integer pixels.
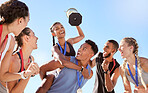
[
  {"x": 7, "y": 76},
  {"x": 80, "y": 31},
  {"x": 20, "y": 86},
  {"x": 108, "y": 83},
  {"x": 69, "y": 64}
]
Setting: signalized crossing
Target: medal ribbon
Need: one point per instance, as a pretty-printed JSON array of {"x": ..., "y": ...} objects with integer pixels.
[
  {"x": 79, "y": 82},
  {"x": 113, "y": 65},
  {"x": 61, "y": 48},
  {"x": 136, "y": 70}
]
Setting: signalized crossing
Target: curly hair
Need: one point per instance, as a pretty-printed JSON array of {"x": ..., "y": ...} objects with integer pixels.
[{"x": 11, "y": 10}]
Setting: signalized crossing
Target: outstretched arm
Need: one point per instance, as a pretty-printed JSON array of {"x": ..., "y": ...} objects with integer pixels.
[{"x": 78, "y": 38}]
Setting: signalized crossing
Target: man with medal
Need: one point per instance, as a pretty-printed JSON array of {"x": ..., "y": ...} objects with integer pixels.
[
  {"x": 71, "y": 80},
  {"x": 107, "y": 68}
]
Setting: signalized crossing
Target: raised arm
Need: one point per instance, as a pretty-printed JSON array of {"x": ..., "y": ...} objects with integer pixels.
[{"x": 78, "y": 38}]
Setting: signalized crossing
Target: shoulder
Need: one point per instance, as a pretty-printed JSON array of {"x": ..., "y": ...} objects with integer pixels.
[
  {"x": 117, "y": 64},
  {"x": 70, "y": 41},
  {"x": 15, "y": 63},
  {"x": 143, "y": 61}
]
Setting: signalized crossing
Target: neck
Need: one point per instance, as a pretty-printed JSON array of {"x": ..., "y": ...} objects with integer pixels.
[
  {"x": 5, "y": 31},
  {"x": 61, "y": 41},
  {"x": 83, "y": 63},
  {"x": 110, "y": 59},
  {"x": 26, "y": 52},
  {"x": 131, "y": 60}
]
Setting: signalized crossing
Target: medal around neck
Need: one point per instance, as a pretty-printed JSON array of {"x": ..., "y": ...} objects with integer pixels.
[{"x": 79, "y": 90}]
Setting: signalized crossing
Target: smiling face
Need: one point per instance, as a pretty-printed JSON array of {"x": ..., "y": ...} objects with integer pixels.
[
  {"x": 33, "y": 40},
  {"x": 125, "y": 49},
  {"x": 107, "y": 50},
  {"x": 84, "y": 52},
  {"x": 58, "y": 30}
]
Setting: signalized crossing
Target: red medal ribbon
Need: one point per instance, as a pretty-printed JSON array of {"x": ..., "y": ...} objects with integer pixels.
[{"x": 113, "y": 65}]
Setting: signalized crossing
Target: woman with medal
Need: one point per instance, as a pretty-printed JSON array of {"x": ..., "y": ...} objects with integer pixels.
[
  {"x": 63, "y": 46},
  {"x": 134, "y": 68},
  {"x": 14, "y": 17},
  {"x": 22, "y": 59}
]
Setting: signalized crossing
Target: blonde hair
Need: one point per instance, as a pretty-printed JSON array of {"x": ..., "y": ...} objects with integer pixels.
[{"x": 132, "y": 42}]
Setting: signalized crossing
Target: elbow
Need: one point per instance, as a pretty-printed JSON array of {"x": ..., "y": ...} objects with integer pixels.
[
  {"x": 83, "y": 36},
  {"x": 109, "y": 89}
]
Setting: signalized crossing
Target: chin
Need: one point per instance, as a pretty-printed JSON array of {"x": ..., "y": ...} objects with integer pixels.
[{"x": 77, "y": 57}]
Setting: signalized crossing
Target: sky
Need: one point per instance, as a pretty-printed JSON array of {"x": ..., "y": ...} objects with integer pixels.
[{"x": 101, "y": 20}]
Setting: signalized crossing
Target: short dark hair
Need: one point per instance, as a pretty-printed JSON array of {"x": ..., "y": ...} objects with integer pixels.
[
  {"x": 94, "y": 47},
  {"x": 115, "y": 44}
]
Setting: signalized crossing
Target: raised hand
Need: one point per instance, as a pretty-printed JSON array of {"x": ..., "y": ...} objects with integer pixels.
[{"x": 105, "y": 65}]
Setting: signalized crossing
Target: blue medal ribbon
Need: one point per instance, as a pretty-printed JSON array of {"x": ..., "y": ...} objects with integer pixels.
[
  {"x": 136, "y": 70},
  {"x": 79, "y": 82},
  {"x": 64, "y": 48}
]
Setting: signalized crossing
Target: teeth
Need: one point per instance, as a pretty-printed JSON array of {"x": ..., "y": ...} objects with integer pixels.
[{"x": 62, "y": 32}]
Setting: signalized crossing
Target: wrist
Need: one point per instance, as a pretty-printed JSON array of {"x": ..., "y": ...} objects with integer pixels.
[
  {"x": 81, "y": 69},
  {"x": 106, "y": 72},
  {"x": 23, "y": 75}
]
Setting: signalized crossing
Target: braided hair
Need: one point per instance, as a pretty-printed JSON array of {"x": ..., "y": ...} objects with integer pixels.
[
  {"x": 51, "y": 29},
  {"x": 132, "y": 42}
]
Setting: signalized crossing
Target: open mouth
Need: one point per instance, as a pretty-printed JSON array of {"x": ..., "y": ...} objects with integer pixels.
[
  {"x": 62, "y": 32},
  {"x": 78, "y": 54}
]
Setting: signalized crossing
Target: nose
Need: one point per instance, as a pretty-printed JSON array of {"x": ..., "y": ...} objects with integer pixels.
[
  {"x": 104, "y": 48},
  {"x": 37, "y": 38},
  {"x": 119, "y": 49}
]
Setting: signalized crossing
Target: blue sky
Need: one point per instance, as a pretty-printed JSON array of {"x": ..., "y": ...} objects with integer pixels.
[{"x": 102, "y": 20}]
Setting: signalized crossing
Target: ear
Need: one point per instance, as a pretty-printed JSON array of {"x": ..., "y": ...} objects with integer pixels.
[
  {"x": 113, "y": 51},
  {"x": 20, "y": 20},
  {"x": 132, "y": 48},
  {"x": 26, "y": 38}
]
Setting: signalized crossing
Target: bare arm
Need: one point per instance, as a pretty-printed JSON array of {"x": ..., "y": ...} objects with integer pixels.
[
  {"x": 126, "y": 83},
  {"x": 15, "y": 86},
  {"x": 78, "y": 38},
  {"x": 110, "y": 82},
  {"x": 65, "y": 61},
  {"x": 52, "y": 65},
  {"x": 5, "y": 75}
]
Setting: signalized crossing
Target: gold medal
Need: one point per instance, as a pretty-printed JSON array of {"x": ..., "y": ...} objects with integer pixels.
[{"x": 79, "y": 90}]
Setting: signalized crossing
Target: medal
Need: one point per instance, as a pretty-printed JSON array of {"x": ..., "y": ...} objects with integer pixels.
[
  {"x": 79, "y": 81},
  {"x": 79, "y": 90}
]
